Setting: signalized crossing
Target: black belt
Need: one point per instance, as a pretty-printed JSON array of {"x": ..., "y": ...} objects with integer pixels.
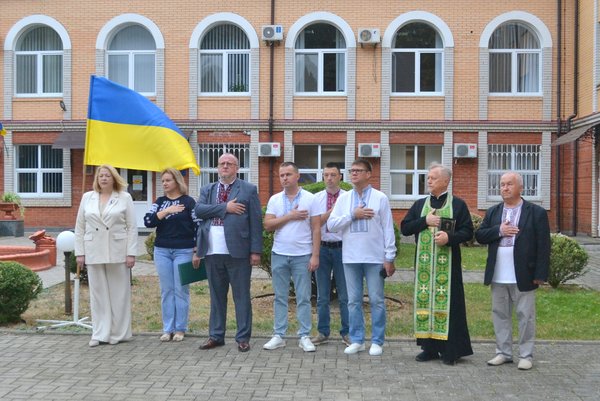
[{"x": 326, "y": 244}]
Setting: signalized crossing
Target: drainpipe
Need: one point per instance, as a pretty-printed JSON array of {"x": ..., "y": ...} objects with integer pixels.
[
  {"x": 558, "y": 109},
  {"x": 271, "y": 72},
  {"x": 572, "y": 116}
]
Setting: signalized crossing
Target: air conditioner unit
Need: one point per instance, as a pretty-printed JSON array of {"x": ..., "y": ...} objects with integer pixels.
[
  {"x": 272, "y": 33},
  {"x": 269, "y": 149},
  {"x": 369, "y": 150},
  {"x": 369, "y": 35},
  {"x": 466, "y": 150}
]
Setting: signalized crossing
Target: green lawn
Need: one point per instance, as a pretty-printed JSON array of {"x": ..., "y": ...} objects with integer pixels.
[{"x": 473, "y": 258}]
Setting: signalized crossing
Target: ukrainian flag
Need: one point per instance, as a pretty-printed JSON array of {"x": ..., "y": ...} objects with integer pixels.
[
  {"x": 2, "y": 130},
  {"x": 124, "y": 129}
]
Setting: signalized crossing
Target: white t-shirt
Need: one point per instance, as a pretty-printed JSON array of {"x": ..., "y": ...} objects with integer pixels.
[
  {"x": 295, "y": 237},
  {"x": 504, "y": 271},
  {"x": 326, "y": 235}
]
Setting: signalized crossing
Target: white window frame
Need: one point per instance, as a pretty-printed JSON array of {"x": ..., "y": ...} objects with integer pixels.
[
  {"x": 516, "y": 151},
  {"x": 514, "y": 71},
  {"x": 131, "y": 66},
  {"x": 39, "y": 171},
  {"x": 39, "y": 54},
  {"x": 224, "y": 72},
  {"x": 320, "y": 74},
  {"x": 416, "y": 172},
  {"x": 417, "y": 53},
  {"x": 207, "y": 171},
  {"x": 318, "y": 172}
]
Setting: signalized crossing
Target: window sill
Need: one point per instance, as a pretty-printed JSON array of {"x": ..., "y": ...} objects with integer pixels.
[{"x": 36, "y": 98}]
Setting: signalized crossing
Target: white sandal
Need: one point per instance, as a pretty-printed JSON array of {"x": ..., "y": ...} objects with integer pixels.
[
  {"x": 165, "y": 337},
  {"x": 178, "y": 337}
]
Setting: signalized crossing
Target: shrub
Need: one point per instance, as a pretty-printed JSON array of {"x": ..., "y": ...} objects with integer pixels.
[
  {"x": 568, "y": 260},
  {"x": 18, "y": 287},
  {"x": 476, "y": 219},
  {"x": 149, "y": 242}
]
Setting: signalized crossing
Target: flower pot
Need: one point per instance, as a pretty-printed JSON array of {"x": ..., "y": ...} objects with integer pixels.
[{"x": 8, "y": 208}]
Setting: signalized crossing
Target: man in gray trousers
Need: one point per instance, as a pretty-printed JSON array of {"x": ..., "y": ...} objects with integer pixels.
[{"x": 230, "y": 238}]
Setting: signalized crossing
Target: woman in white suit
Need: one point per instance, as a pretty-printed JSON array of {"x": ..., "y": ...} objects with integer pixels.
[{"x": 106, "y": 241}]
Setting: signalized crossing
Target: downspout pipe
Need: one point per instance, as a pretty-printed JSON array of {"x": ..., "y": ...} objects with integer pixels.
[
  {"x": 558, "y": 108},
  {"x": 572, "y": 116},
  {"x": 271, "y": 74}
]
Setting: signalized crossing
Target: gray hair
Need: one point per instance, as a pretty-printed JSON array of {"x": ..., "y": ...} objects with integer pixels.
[
  {"x": 518, "y": 176},
  {"x": 445, "y": 170}
]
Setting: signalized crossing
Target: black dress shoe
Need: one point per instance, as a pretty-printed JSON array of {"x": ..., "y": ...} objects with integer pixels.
[
  {"x": 243, "y": 346},
  {"x": 211, "y": 343},
  {"x": 449, "y": 362},
  {"x": 426, "y": 356}
]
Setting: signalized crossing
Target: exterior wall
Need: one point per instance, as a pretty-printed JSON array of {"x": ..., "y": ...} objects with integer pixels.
[{"x": 365, "y": 114}]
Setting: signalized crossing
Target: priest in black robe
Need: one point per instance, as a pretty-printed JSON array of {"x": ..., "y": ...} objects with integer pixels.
[{"x": 425, "y": 218}]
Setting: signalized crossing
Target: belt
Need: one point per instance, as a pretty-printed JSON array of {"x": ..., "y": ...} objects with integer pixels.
[{"x": 326, "y": 244}]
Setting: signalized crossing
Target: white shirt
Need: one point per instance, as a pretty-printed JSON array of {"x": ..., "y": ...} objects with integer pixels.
[
  {"x": 326, "y": 235},
  {"x": 364, "y": 241},
  {"x": 295, "y": 237},
  {"x": 504, "y": 271}
]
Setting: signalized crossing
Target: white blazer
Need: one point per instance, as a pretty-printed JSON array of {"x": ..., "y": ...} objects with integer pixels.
[{"x": 106, "y": 238}]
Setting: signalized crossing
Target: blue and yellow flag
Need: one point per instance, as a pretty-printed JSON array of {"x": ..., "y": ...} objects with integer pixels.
[
  {"x": 2, "y": 130},
  {"x": 124, "y": 129}
]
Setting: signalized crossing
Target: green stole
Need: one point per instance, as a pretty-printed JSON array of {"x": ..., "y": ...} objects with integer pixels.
[{"x": 432, "y": 280}]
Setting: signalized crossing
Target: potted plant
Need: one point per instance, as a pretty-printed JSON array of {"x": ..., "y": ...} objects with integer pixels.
[{"x": 9, "y": 203}]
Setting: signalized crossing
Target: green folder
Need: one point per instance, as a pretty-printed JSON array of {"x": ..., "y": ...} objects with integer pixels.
[{"x": 187, "y": 273}]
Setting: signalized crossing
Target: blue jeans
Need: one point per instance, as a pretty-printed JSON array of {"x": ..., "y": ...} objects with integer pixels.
[
  {"x": 354, "y": 282},
  {"x": 175, "y": 298},
  {"x": 282, "y": 269},
  {"x": 330, "y": 260}
]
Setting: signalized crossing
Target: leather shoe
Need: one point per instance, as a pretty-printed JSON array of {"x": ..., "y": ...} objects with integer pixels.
[
  {"x": 211, "y": 343},
  {"x": 243, "y": 346},
  {"x": 449, "y": 362},
  {"x": 426, "y": 356}
]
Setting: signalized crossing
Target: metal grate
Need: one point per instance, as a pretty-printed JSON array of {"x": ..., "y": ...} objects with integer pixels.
[{"x": 523, "y": 159}]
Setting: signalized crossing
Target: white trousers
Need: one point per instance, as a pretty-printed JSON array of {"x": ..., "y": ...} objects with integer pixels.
[
  {"x": 504, "y": 297},
  {"x": 110, "y": 301}
]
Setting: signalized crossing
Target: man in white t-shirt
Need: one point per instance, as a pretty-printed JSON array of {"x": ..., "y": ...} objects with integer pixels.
[
  {"x": 294, "y": 217},
  {"x": 330, "y": 261},
  {"x": 518, "y": 236}
]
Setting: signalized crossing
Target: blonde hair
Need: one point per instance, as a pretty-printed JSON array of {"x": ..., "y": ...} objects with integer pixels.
[
  {"x": 176, "y": 174},
  {"x": 119, "y": 184}
]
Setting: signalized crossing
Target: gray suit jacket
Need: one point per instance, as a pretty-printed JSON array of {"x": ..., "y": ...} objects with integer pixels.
[{"x": 243, "y": 233}]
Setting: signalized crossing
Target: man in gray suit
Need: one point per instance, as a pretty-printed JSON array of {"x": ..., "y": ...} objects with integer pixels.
[{"x": 230, "y": 238}]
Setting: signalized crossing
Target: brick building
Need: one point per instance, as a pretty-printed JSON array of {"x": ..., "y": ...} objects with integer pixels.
[{"x": 482, "y": 87}]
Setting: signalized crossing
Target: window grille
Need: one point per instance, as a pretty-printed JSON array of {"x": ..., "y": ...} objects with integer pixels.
[{"x": 523, "y": 159}]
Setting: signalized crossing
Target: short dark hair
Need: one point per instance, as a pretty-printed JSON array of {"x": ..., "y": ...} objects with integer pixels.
[
  {"x": 364, "y": 162},
  {"x": 289, "y": 164},
  {"x": 334, "y": 165}
]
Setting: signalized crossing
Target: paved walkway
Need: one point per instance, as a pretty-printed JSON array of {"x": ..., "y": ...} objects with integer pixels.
[{"x": 61, "y": 366}]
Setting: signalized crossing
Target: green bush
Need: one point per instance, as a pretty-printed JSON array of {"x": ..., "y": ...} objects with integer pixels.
[
  {"x": 568, "y": 260},
  {"x": 149, "y": 242},
  {"x": 476, "y": 219},
  {"x": 18, "y": 287}
]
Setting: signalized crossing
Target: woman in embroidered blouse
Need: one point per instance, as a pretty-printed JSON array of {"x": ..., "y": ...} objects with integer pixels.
[{"x": 176, "y": 225}]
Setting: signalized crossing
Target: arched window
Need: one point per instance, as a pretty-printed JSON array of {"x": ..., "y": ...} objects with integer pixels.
[
  {"x": 417, "y": 59},
  {"x": 515, "y": 54},
  {"x": 320, "y": 60},
  {"x": 224, "y": 65},
  {"x": 132, "y": 59},
  {"x": 39, "y": 63}
]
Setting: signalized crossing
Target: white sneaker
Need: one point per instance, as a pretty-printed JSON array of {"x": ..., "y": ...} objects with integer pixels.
[
  {"x": 498, "y": 360},
  {"x": 275, "y": 342},
  {"x": 354, "y": 348},
  {"x": 525, "y": 364},
  {"x": 94, "y": 343},
  {"x": 306, "y": 344},
  {"x": 375, "y": 350}
]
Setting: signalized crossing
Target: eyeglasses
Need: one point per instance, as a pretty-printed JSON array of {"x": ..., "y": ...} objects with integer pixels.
[
  {"x": 227, "y": 164},
  {"x": 356, "y": 170}
]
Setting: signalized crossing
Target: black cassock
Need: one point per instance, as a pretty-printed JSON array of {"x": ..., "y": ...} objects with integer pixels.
[{"x": 459, "y": 342}]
